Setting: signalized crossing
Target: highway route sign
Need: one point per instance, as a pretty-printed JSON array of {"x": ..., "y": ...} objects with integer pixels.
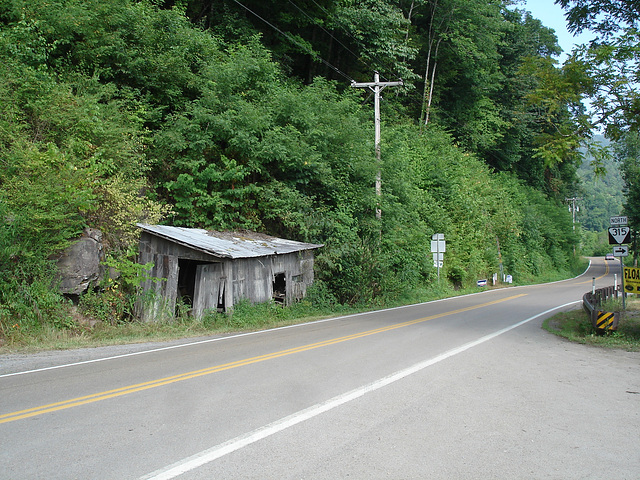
[{"x": 619, "y": 235}]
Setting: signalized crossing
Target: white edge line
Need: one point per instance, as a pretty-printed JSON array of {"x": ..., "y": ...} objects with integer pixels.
[
  {"x": 207, "y": 456},
  {"x": 218, "y": 339}
]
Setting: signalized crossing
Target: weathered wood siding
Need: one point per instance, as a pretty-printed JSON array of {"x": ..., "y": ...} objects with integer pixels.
[
  {"x": 209, "y": 288},
  {"x": 158, "y": 297},
  {"x": 153, "y": 244},
  {"x": 160, "y": 291},
  {"x": 301, "y": 276}
]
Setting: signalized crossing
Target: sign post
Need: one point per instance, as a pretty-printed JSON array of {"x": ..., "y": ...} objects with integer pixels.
[
  {"x": 619, "y": 233},
  {"x": 438, "y": 247},
  {"x": 624, "y": 293}
]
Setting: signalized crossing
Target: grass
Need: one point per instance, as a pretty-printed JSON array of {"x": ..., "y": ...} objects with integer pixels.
[
  {"x": 576, "y": 326},
  {"x": 246, "y": 317}
]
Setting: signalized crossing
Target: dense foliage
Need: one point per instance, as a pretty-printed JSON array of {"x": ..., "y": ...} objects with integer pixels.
[
  {"x": 226, "y": 115},
  {"x": 612, "y": 62},
  {"x": 627, "y": 152}
]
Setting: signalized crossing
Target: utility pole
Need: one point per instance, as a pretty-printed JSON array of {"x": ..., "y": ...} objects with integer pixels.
[
  {"x": 376, "y": 87},
  {"x": 573, "y": 208}
]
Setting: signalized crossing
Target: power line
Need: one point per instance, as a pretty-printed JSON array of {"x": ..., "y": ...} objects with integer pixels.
[
  {"x": 294, "y": 41},
  {"x": 326, "y": 31},
  {"x": 349, "y": 35}
]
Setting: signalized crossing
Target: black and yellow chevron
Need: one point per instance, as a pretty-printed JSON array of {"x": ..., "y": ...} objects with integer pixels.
[{"x": 605, "y": 321}]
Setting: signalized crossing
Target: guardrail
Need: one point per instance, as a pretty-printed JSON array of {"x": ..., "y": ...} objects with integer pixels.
[{"x": 602, "y": 321}]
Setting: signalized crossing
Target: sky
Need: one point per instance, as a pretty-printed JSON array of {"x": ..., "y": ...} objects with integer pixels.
[{"x": 552, "y": 16}]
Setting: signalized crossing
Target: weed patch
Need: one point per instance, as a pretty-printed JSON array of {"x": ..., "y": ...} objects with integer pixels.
[
  {"x": 99, "y": 323},
  {"x": 576, "y": 327}
]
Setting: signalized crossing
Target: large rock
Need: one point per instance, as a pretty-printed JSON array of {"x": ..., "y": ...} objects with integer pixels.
[{"x": 79, "y": 265}]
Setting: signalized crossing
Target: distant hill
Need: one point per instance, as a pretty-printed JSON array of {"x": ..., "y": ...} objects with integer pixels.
[{"x": 602, "y": 197}]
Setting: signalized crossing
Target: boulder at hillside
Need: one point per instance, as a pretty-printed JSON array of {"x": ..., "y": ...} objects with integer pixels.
[{"x": 79, "y": 265}]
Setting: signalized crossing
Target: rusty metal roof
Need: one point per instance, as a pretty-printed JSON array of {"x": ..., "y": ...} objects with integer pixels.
[{"x": 228, "y": 244}]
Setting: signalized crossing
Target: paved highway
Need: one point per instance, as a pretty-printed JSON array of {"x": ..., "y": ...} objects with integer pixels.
[{"x": 464, "y": 388}]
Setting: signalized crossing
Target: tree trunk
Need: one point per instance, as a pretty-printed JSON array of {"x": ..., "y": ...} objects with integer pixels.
[{"x": 431, "y": 84}]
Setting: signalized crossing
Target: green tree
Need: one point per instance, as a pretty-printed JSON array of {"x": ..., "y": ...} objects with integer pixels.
[
  {"x": 627, "y": 152},
  {"x": 612, "y": 60},
  {"x": 555, "y": 102},
  {"x": 525, "y": 38},
  {"x": 603, "y": 16},
  {"x": 474, "y": 55},
  {"x": 71, "y": 149},
  {"x": 336, "y": 39}
]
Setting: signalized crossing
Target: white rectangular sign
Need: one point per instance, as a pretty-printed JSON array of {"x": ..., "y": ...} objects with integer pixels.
[
  {"x": 438, "y": 246},
  {"x": 621, "y": 251},
  {"x": 616, "y": 221}
]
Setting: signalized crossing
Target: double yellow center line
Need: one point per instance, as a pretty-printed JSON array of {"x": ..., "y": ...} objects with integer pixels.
[
  {"x": 96, "y": 397},
  {"x": 606, "y": 272}
]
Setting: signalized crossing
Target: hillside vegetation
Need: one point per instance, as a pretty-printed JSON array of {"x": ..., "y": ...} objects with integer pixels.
[{"x": 200, "y": 113}]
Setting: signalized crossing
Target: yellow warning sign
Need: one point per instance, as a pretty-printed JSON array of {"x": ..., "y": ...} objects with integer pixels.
[
  {"x": 605, "y": 321},
  {"x": 632, "y": 279}
]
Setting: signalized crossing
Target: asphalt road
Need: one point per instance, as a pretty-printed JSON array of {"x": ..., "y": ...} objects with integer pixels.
[{"x": 465, "y": 388}]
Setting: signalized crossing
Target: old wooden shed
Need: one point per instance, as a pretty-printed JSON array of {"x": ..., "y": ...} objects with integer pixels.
[{"x": 213, "y": 270}]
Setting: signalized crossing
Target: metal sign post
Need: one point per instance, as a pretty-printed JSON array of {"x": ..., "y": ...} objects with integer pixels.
[
  {"x": 619, "y": 234},
  {"x": 624, "y": 294},
  {"x": 438, "y": 247}
]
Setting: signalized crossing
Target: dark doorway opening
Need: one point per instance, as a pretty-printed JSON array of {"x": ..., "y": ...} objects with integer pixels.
[
  {"x": 187, "y": 280},
  {"x": 221, "y": 305},
  {"x": 279, "y": 288}
]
